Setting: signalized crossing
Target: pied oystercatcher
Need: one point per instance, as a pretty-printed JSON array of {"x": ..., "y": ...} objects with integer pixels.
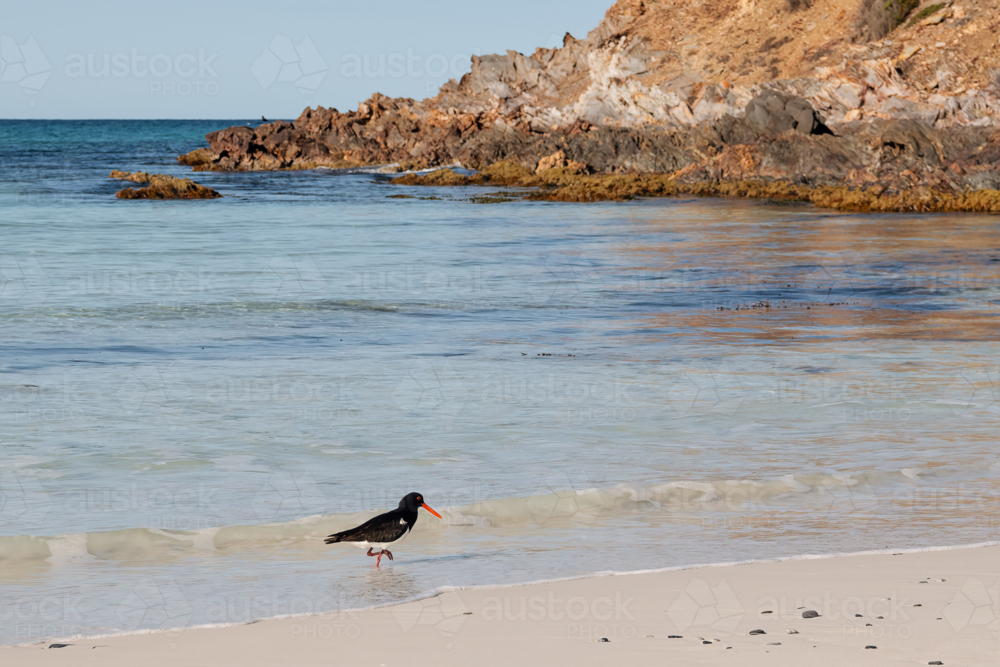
[{"x": 385, "y": 529}]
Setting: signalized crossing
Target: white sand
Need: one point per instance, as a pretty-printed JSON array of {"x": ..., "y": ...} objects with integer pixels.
[{"x": 952, "y": 618}]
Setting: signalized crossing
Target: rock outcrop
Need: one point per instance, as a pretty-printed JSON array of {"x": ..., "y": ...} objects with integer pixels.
[
  {"x": 897, "y": 93},
  {"x": 162, "y": 186}
]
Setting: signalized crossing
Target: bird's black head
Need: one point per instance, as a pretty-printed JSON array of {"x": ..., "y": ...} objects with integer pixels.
[{"x": 412, "y": 501}]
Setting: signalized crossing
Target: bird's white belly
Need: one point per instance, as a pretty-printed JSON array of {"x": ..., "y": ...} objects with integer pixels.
[{"x": 382, "y": 545}]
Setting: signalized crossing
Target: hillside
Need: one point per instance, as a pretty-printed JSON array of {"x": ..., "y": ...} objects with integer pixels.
[{"x": 681, "y": 63}]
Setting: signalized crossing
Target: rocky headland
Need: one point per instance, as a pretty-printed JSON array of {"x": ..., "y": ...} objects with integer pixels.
[{"x": 879, "y": 104}]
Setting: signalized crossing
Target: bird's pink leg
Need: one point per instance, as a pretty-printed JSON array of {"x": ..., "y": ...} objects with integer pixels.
[
  {"x": 388, "y": 553},
  {"x": 370, "y": 552},
  {"x": 378, "y": 560}
]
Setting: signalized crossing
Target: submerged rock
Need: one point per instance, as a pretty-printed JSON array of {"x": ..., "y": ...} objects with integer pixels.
[{"x": 162, "y": 186}]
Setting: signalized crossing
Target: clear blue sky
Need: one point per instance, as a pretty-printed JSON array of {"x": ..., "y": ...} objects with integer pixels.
[{"x": 185, "y": 59}]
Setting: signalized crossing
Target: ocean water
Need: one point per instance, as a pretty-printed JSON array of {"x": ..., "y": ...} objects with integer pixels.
[{"x": 194, "y": 393}]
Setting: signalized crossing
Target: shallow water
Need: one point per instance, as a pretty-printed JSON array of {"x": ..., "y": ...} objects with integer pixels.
[{"x": 193, "y": 393}]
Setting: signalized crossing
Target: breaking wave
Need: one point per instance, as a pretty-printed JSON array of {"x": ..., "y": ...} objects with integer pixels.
[{"x": 826, "y": 495}]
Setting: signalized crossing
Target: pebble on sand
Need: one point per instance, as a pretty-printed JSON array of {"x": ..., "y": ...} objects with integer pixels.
[
  {"x": 809, "y": 613},
  {"x": 871, "y": 647}
]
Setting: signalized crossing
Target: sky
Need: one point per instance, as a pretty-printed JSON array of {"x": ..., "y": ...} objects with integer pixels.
[{"x": 227, "y": 60}]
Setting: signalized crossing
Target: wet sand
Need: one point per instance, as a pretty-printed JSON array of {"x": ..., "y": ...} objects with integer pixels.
[{"x": 896, "y": 608}]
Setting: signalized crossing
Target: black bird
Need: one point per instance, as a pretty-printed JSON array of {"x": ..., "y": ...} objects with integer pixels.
[
  {"x": 385, "y": 529},
  {"x": 263, "y": 119}
]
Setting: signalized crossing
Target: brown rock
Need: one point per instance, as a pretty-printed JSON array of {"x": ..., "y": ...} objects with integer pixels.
[
  {"x": 134, "y": 177},
  {"x": 162, "y": 186},
  {"x": 196, "y": 158}
]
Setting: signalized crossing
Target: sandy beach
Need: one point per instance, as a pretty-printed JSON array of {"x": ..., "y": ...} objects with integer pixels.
[
  {"x": 674, "y": 324},
  {"x": 899, "y": 608}
]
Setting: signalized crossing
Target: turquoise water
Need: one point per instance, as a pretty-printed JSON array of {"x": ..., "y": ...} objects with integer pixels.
[{"x": 193, "y": 393}]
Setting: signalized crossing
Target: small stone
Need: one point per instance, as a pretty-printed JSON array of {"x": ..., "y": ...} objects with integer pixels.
[
  {"x": 857, "y": 616},
  {"x": 757, "y": 632},
  {"x": 880, "y": 617},
  {"x": 674, "y": 637},
  {"x": 706, "y": 642},
  {"x": 868, "y": 625},
  {"x": 767, "y": 612},
  {"x": 809, "y": 613},
  {"x": 605, "y": 639},
  {"x": 935, "y": 662},
  {"x": 774, "y": 643},
  {"x": 871, "y": 647},
  {"x": 791, "y": 631},
  {"x": 59, "y": 645}
]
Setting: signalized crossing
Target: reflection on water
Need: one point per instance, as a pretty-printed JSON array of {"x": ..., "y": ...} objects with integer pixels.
[{"x": 192, "y": 396}]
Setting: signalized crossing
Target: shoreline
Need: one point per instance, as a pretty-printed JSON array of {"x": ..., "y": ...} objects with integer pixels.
[
  {"x": 446, "y": 624},
  {"x": 565, "y": 184}
]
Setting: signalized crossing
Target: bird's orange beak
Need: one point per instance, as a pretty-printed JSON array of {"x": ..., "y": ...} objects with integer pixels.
[{"x": 427, "y": 507}]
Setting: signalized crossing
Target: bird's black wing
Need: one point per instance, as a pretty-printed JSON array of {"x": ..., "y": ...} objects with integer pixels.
[{"x": 384, "y": 528}]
